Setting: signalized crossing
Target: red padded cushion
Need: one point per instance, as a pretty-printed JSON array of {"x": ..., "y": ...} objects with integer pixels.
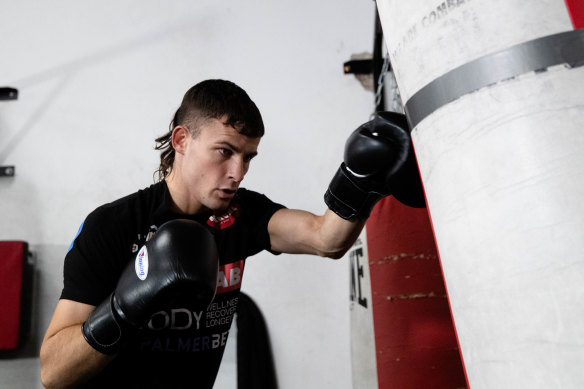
[{"x": 12, "y": 257}]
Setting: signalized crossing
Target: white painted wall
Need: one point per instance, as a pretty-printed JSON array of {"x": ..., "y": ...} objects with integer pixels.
[{"x": 99, "y": 80}]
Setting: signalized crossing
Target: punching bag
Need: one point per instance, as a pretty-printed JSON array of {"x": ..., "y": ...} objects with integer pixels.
[{"x": 494, "y": 93}]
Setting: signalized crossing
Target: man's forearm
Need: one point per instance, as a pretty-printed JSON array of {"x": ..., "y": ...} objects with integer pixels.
[
  {"x": 339, "y": 234},
  {"x": 67, "y": 359}
]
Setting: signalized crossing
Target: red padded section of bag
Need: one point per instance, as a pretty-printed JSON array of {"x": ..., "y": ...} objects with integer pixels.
[
  {"x": 12, "y": 256},
  {"x": 415, "y": 339}
]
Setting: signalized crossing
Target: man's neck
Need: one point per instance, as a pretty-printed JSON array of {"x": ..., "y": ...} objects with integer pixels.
[{"x": 179, "y": 198}]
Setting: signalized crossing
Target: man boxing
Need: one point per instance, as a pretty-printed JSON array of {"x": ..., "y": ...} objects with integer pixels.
[{"x": 151, "y": 280}]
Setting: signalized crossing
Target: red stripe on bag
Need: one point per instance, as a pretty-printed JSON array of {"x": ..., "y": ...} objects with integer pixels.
[{"x": 576, "y": 11}]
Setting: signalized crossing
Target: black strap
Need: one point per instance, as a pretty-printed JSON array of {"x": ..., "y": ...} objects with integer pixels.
[{"x": 255, "y": 363}]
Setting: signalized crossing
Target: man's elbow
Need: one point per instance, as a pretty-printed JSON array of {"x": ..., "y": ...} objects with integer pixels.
[
  {"x": 336, "y": 255},
  {"x": 49, "y": 376},
  {"x": 336, "y": 252},
  {"x": 47, "y": 384},
  {"x": 46, "y": 378}
]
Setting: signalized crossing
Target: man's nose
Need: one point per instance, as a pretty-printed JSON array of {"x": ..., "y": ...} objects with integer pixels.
[{"x": 237, "y": 169}]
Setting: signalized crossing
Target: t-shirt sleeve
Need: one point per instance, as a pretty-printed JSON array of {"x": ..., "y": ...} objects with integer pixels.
[
  {"x": 263, "y": 209},
  {"x": 91, "y": 269}
]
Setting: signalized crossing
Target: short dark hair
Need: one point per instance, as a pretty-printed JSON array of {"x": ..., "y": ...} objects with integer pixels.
[{"x": 210, "y": 99}]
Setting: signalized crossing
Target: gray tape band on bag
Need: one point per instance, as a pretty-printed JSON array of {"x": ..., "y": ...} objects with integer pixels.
[{"x": 538, "y": 54}]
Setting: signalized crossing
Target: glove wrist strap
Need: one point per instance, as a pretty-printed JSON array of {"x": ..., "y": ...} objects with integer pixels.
[
  {"x": 103, "y": 329},
  {"x": 347, "y": 199}
]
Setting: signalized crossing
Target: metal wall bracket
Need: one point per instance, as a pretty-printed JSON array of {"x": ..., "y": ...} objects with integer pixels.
[
  {"x": 7, "y": 171},
  {"x": 8, "y": 93},
  {"x": 358, "y": 66},
  {"x": 373, "y": 66}
]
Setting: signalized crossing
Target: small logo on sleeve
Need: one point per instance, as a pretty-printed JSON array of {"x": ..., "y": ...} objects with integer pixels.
[
  {"x": 142, "y": 263},
  {"x": 78, "y": 232}
]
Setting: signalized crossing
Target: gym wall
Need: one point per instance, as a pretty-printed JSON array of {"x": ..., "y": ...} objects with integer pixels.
[{"x": 98, "y": 81}]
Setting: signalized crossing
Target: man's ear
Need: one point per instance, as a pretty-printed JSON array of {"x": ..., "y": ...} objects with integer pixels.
[{"x": 179, "y": 138}]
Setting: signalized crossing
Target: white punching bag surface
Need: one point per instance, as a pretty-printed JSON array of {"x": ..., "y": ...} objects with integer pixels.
[{"x": 494, "y": 91}]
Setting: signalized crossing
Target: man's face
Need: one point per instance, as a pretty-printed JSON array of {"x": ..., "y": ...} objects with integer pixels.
[{"x": 214, "y": 164}]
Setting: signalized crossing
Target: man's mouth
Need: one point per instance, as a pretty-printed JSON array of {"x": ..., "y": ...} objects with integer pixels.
[{"x": 227, "y": 193}]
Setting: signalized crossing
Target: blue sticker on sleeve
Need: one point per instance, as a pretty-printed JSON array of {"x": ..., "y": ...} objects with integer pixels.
[{"x": 78, "y": 232}]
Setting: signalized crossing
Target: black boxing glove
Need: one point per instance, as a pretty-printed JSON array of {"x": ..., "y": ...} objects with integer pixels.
[
  {"x": 373, "y": 153},
  {"x": 180, "y": 264}
]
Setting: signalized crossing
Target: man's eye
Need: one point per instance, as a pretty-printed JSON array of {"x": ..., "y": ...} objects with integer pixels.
[{"x": 226, "y": 152}]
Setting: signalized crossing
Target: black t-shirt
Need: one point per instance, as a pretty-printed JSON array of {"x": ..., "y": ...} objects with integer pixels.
[{"x": 180, "y": 347}]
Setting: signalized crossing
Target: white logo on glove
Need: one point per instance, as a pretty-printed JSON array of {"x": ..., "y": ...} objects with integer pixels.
[{"x": 142, "y": 263}]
